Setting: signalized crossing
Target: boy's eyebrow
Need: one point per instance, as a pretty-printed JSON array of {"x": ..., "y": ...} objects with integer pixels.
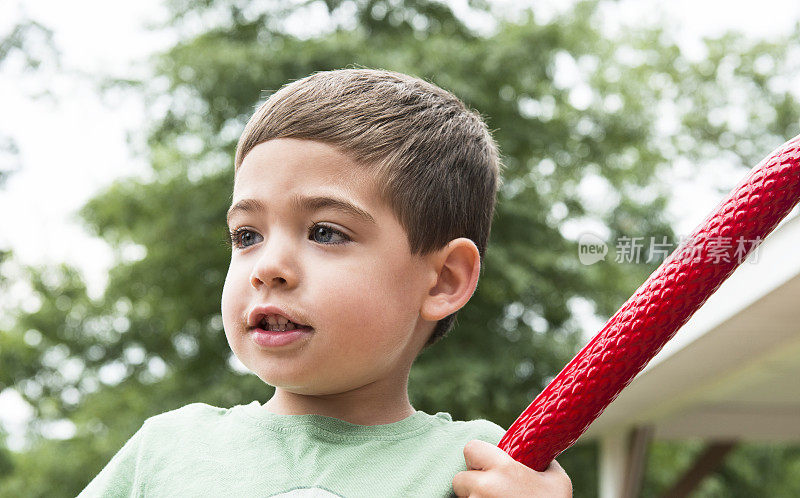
[{"x": 307, "y": 204}]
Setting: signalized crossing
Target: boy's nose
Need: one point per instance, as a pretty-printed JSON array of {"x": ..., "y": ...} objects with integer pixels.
[{"x": 275, "y": 264}]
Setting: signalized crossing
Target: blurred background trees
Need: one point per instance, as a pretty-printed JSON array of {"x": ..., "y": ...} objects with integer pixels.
[{"x": 592, "y": 126}]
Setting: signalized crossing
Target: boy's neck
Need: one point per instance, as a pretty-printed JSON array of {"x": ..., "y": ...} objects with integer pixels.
[{"x": 364, "y": 406}]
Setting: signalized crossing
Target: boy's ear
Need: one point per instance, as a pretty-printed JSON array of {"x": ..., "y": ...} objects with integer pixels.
[{"x": 457, "y": 267}]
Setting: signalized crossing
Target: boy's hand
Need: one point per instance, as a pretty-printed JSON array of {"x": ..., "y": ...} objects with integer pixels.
[{"x": 491, "y": 472}]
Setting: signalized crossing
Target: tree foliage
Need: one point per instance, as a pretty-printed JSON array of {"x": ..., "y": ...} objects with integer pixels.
[{"x": 590, "y": 150}]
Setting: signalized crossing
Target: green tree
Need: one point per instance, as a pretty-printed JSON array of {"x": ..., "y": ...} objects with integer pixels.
[
  {"x": 590, "y": 150},
  {"x": 27, "y": 44}
]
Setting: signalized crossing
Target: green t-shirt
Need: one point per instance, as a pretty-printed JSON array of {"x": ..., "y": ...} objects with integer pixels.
[{"x": 202, "y": 450}]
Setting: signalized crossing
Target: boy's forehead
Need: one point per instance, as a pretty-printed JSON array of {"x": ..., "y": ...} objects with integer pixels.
[
  {"x": 306, "y": 202},
  {"x": 304, "y": 166},
  {"x": 305, "y": 161},
  {"x": 358, "y": 193},
  {"x": 252, "y": 199}
]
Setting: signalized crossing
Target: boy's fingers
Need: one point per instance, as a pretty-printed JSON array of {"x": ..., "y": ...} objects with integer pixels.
[
  {"x": 466, "y": 482},
  {"x": 480, "y": 455},
  {"x": 561, "y": 479},
  {"x": 555, "y": 467}
]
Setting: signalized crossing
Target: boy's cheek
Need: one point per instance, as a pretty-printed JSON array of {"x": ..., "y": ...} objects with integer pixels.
[{"x": 227, "y": 308}]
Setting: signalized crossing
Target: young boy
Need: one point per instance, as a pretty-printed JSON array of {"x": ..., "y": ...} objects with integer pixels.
[{"x": 362, "y": 204}]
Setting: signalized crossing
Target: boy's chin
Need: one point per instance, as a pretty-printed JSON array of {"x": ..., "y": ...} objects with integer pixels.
[
  {"x": 296, "y": 388},
  {"x": 303, "y": 387}
]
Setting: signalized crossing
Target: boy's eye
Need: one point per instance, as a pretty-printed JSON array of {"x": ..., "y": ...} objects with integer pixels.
[
  {"x": 323, "y": 234},
  {"x": 242, "y": 238}
]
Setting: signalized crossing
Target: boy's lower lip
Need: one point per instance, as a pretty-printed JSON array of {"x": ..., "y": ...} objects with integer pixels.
[{"x": 272, "y": 339}]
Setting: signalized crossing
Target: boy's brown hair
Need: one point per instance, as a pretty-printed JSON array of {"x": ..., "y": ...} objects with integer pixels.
[{"x": 436, "y": 163}]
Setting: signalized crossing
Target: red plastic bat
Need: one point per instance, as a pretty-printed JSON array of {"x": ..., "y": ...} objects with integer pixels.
[{"x": 655, "y": 312}]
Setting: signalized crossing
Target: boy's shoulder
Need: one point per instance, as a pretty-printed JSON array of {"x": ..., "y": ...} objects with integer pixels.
[
  {"x": 190, "y": 411},
  {"x": 193, "y": 417},
  {"x": 196, "y": 417},
  {"x": 482, "y": 429}
]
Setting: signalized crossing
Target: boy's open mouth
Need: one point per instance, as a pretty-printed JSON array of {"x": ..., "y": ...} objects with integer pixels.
[
  {"x": 274, "y": 331},
  {"x": 269, "y": 318},
  {"x": 279, "y": 326}
]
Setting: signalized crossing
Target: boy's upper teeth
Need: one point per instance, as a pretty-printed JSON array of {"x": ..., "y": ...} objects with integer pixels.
[{"x": 276, "y": 320}]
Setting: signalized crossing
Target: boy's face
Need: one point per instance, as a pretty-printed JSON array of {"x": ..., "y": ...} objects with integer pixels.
[{"x": 353, "y": 281}]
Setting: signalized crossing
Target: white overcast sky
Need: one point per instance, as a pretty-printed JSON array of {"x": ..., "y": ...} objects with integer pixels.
[{"x": 73, "y": 144}]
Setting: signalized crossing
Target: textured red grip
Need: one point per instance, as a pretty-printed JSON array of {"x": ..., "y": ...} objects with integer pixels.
[{"x": 664, "y": 302}]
